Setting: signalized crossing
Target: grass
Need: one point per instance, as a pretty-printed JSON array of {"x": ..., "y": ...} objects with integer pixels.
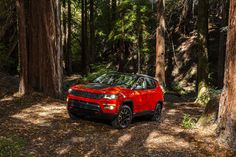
[
  {"x": 11, "y": 146},
  {"x": 188, "y": 122}
]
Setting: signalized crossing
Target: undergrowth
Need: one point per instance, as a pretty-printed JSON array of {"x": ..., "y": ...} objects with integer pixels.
[
  {"x": 188, "y": 122},
  {"x": 11, "y": 146}
]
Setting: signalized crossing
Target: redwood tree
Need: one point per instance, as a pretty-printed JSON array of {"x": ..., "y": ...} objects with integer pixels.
[
  {"x": 222, "y": 42},
  {"x": 202, "y": 70},
  {"x": 84, "y": 38},
  {"x": 160, "y": 43},
  {"x": 227, "y": 111},
  {"x": 92, "y": 42},
  {"x": 40, "y": 46},
  {"x": 68, "y": 61}
]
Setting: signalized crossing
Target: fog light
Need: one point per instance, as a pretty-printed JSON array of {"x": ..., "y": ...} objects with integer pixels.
[{"x": 109, "y": 106}]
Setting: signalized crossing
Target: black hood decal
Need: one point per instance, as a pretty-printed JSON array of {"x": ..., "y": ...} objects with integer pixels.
[{"x": 96, "y": 86}]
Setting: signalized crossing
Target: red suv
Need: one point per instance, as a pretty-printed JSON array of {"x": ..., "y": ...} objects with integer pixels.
[{"x": 118, "y": 97}]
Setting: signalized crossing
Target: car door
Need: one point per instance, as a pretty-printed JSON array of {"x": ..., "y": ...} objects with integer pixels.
[
  {"x": 140, "y": 95},
  {"x": 152, "y": 94}
]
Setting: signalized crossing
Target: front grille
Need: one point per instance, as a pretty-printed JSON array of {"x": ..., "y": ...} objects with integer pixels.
[
  {"x": 87, "y": 94},
  {"x": 85, "y": 105}
]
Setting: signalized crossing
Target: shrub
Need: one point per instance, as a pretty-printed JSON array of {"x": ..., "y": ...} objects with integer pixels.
[
  {"x": 188, "y": 121},
  {"x": 11, "y": 147}
]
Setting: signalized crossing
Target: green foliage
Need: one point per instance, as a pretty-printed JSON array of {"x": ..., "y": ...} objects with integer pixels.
[
  {"x": 177, "y": 88},
  {"x": 12, "y": 146},
  {"x": 206, "y": 96},
  {"x": 188, "y": 122}
]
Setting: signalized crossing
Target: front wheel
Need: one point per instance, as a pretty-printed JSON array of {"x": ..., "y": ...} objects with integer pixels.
[
  {"x": 123, "y": 118},
  {"x": 157, "y": 113}
]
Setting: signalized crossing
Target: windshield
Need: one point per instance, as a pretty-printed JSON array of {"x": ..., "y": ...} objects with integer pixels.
[{"x": 116, "y": 79}]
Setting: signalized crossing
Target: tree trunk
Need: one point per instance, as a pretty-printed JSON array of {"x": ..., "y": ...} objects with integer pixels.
[
  {"x": 84, "y": 40},
  {"x": 92, "y": 33},
  {"x": 227, "y": 111},
  {"x": 68, "y": 52},
  {"x": 160, "y": 43},
  {"x": 140, "y": 37},
  {"x": 185, "y": 16},
  {"x": 202, "y": 70},
  {"x": 40, "y": 47},
  {"x": 222, "y": 43},
  {"x": 64, "y": 33},
  {"x": 23, "y": 51}
]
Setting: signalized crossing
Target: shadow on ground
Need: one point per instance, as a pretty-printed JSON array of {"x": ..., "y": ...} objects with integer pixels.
[{"x": 48, "y": 131}]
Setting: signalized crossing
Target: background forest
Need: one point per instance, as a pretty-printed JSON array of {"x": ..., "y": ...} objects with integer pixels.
[
  {"x": 187, "y": 45},
  {"x": 121, "y": 35}
]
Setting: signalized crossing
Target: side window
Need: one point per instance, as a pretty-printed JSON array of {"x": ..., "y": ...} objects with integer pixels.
[
  {"x": 151, "y": 84},
  {"x": 141, "y": 84}
]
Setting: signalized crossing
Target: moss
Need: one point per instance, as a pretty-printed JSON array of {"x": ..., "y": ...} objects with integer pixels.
[
  {"x": 210, "y": 114},
  {"x": 205, "y": 95}
]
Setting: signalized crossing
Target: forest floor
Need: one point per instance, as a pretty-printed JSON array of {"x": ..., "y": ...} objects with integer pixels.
[{"x": 44, "y": 127}]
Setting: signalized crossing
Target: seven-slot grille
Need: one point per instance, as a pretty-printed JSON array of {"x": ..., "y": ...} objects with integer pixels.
[
  {"x": 87, "y": 94},
  {"x": 85, "y": 105}
]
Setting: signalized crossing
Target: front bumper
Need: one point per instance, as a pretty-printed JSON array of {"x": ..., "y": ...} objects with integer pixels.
[{"x": 91, "y": 109}]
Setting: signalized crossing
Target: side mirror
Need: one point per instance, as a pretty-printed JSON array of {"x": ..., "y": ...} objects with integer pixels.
[
  {"x": 139, "y": 87},
  {"x": 136, "y": 87}
]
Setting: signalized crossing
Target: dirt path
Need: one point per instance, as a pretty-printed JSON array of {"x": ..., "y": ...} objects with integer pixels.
[{"x": 44, "y": 124}]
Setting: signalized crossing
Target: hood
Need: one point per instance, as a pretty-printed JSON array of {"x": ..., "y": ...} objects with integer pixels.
[{"x": 99, "y": 88}]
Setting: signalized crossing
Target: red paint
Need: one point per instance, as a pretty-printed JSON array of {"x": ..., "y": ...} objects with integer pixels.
[{"x": 143, "y": 100}]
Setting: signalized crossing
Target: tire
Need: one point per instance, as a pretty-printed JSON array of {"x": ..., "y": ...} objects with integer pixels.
[
  {"x": 73, "y": 116},
  {"x": 157, "y": 113},
  {"x": 124, "y": 118}
]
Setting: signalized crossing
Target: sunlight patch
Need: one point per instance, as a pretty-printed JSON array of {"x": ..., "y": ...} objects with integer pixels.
[
  {"x": 155, "y": 140},
  {"x": 41, "y": 114},
  {"x": 122, "y": 140}
]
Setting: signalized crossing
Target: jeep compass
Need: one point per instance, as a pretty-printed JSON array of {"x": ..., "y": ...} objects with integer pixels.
[{"x": 118, "y": 97}]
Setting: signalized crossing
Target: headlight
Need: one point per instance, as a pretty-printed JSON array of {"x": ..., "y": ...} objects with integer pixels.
[
  {"x": 70, "y": 91},
  {"x": 111, "y": 96}
]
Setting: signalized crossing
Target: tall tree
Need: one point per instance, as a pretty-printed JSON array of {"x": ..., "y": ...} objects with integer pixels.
[
  {"x": 40, "y": 46},
  {"x": 222, "y": 42},
  {"x": 186, "y": 14},
  {"x": 66, "y": 13},
  {"x": 84, "y": 40},
  {"x": 68, "y": 52},
  {"x": 92, "y": 32},
  {"x": 64, "y": 31},
  {"x": 202, "y": 70},
  {"x": 227, "y": 111},
  {"x": 160, "y": 43}
]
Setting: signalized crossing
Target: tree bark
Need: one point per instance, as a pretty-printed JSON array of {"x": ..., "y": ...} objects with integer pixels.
[
  {"x": 64, "y": 33},
  {"x": 160, "y": 43},
  {"x": 227, "y": 110},
  {"x": 92, "y": 33},
  {"x": 202, "y": 70},
  {"x": 40, "y": 47},
  {"x": 140, "y": 36},
  {"x": 84, "y": 40},
  {"x": 222, "y": 43},
  {"x": 68, "y": 52},
  {"x": 23, "y": 51},
  {"x": 185, "y": 16}
]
